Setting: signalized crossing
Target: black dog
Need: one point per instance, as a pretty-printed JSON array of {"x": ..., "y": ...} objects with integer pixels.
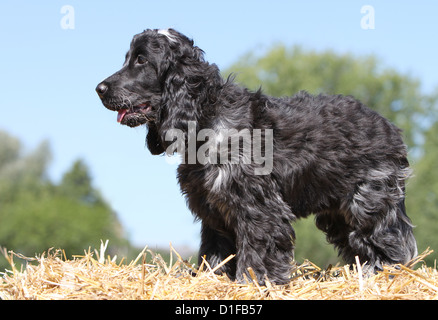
[{"x": 327, "y": 155}]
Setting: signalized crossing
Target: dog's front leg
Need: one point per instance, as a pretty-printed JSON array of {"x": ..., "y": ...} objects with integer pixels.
[
  {"x": 264, "y": 242},
  {"x": 215, "y": 247}
]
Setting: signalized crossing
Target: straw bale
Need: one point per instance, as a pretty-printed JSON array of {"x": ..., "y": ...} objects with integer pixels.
[{"x": 94, "y": 276}]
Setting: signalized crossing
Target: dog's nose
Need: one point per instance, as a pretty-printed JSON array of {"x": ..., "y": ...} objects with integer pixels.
[{"x": 101, "y": 89}]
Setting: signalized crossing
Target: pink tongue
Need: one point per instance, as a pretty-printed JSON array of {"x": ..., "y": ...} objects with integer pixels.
[{"x": 121, "y": 114}]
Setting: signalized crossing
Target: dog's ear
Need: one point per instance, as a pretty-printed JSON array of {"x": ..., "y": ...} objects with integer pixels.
[
  {"x": 178, "y": 50},
  {"x": 184, "y": 75},
  {"x": 153, "y": 140}
]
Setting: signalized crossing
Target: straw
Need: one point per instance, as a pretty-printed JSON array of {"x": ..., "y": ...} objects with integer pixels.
[{"x": 96, "y": 276}]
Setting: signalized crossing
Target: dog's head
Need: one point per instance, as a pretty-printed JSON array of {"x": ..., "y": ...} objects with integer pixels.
[{"x": 136, "y": 91}]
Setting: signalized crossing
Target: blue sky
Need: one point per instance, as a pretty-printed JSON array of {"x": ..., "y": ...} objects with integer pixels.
[{"x": 48, "y": 76}]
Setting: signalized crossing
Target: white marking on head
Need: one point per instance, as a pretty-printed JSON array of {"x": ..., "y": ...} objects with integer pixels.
[{"x": 165, "y": 32}]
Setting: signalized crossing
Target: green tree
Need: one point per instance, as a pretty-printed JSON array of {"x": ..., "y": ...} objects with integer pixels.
[
  {"x": 76, "y": 184},
  {"x": 36, "y": 215},
  {"x": 283, "y": 71},
  {"x": 21, "y": 172},
  {"x": 422, "y": 195}
]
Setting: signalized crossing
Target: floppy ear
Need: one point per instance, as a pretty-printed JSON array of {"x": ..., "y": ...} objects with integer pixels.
[
  {"x": 153, "y": 140},
  {"x": 177, "y": 49},
  {"x": 187, "y": 83}
]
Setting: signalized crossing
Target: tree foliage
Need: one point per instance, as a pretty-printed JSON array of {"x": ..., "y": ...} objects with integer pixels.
[
  {"x": 36, "y": 214},
  {"x": 283, "y": 71},
  {"x": 422, "y": 194}
]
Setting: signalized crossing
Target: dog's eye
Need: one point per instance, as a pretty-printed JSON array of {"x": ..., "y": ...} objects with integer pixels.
[{"x": 141, "y": 60}]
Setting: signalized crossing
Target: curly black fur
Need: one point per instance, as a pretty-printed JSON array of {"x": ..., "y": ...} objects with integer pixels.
[{"x": 332, "y": 156}]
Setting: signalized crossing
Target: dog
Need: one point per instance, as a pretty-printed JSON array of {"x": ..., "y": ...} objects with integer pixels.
[{"x": 327, "y": 155}]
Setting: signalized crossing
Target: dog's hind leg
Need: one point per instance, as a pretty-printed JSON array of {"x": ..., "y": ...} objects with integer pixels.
[
  {"x": 333, "y": 224},
  {"x": 377, "y": 228},
  {"x": 385, "y": 242}
]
